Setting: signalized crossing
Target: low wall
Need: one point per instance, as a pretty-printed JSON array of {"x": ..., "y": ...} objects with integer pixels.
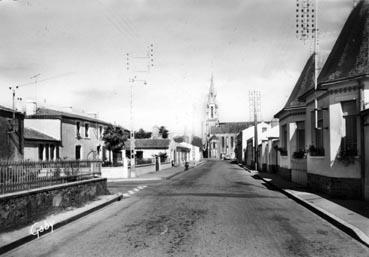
[
  {"x": 349, "y": 188},
  {"x": 25, "y": 207}
]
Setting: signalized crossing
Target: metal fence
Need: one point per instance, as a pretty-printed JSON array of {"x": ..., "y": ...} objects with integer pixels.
[{"x": 25, "y": 175}]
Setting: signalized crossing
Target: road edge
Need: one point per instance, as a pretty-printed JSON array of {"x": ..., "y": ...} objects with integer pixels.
[
  {"x": 29, "y": 237},
  {"x": 349, "y": 229}
]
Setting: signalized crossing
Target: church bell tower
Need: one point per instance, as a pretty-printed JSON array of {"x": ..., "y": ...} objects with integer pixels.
[{"x": 211, "y": 110}]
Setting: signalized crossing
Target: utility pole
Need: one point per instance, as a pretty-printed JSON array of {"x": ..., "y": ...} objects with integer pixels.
[
  {"x": 13, "y": 89},
  {"x": 149, "y": 57},
  {"x": 307, "y": 29},
  {"x": 255, "y": 108}
]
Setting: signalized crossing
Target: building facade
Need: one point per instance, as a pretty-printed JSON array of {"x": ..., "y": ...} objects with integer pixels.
[
  {"x": 80, "y": 136},
  {"x": 11, "y": 135},
  {"x": 336, "y": 132}
]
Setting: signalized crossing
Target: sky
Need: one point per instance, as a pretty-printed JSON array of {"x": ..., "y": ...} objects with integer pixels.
[{"x": 79, "y": 49}]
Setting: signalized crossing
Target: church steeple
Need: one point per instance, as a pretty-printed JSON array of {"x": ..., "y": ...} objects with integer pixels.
[
  {"x": 211, "y": 115},
  {"x": 212, "y": 107},
  {"x": 212, "y": 92}
]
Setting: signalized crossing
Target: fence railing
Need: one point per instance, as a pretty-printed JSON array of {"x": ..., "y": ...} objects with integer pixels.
[{"x": 25, "y": 175}]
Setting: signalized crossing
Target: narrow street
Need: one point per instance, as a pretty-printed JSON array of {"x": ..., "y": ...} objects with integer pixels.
[{"x": 216, "y": 209}]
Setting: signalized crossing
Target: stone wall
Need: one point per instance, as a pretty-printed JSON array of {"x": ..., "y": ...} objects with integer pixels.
[
  {"x": 26, "y": 207},
  {"x": 349, "y": 188}
]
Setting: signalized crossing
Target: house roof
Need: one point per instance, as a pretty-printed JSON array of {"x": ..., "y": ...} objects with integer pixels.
[
  {"x": 230, "y": 127},
  {"x": 9, "y": 110},
  {"x": 304, "y": 83},
  {"x": 31, "y": 134},
  {"x": 46, "y": 113},
  {"x": 148, "y": 143},
  {"x": 349, "y": 57}
]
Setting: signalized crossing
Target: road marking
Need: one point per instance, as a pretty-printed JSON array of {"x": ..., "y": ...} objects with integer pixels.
[{"x": 133, "y": 191}]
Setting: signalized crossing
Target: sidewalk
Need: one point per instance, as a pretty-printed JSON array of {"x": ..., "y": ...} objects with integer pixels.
[
  {"x": 158, "y": 175},
  {"x": 351, "y": 216},
  {"x": 15, "y": 238}
]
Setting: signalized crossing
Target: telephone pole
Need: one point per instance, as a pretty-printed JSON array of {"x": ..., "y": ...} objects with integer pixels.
[
  {"x": 149, "y": 58},
  {"x": 307, "y": 30},
  {"x": 13, "y": 89}
]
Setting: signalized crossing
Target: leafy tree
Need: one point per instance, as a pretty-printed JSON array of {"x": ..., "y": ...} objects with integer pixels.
[
  {"x": 141, "y": 133},
  {"x": 197, "y": 141},
  {"x": 114, "y": 138},
  {"x": 163, "y": 132}
]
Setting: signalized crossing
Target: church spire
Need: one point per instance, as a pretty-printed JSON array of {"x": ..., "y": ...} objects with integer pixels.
[{"x": 212, "y": 89}]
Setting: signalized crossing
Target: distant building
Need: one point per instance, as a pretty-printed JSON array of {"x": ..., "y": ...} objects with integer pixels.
[
  {"x": 219, "y": 137},
  {"x": 148, "y": 148},
  {"x": 11, "y": 135}
]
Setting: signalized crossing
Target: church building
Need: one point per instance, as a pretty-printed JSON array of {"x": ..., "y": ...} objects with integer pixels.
[{"x": 219, "y": 137}]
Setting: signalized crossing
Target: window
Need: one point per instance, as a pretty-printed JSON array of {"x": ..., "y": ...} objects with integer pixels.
[
  {"x": 263, "y": 129},
  {"x": 57, "y": 152},
  {"x": 231, "y": 142},
  {"x": 98, "y": 150},
  {"x": 139, "y": 154},
  {"x": 222, "y": 142},
  {"x": 284, "y": 138},
  {"x": 78, "y": 128},
  {"x": 211, "y": 112},
  {"x": 86, "y": 129},
  {"x": 40, "y": 152},
  {"x": 349, "y": 141},
  {"x": 100, "y": 131},
  {"x": 78, "y": 152},
  {"x": 52, "y": 149},
  {"x": 300, "y": 136},
  {"x": 213, "y": 145},
  {"x": 317, "y": 135}
]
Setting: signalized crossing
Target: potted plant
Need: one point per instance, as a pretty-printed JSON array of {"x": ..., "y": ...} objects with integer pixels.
[{"x": 315, "y": 151}]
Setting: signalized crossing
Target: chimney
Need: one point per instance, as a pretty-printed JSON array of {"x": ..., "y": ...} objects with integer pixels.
[{"x": 31, "y": 107}]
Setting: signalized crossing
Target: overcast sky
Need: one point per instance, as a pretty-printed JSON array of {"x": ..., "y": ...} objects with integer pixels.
[{"x": 79, "y": 49}]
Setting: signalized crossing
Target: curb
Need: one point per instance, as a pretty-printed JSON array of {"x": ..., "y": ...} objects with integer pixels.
[
  {"x": 331, "y": 218},
  {"x": 29, "y": 237}
]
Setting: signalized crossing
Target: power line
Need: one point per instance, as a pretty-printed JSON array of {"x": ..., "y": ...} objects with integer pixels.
[{"x": 125, "y": 30}]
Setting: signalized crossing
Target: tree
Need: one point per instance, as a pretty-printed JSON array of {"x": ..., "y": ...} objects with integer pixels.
[
  {"x": 114, "y": 138},
  {"x": 197, "y": 141},
  {"x": 141, "y": 133},
  {"x": 163, "y": 132}
]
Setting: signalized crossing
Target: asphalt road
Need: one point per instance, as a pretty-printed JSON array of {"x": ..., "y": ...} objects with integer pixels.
[{"x": 217, "y": 209}]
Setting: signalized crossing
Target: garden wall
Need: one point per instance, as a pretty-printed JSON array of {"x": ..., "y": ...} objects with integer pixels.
[{"x": 25, "y": 207}]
